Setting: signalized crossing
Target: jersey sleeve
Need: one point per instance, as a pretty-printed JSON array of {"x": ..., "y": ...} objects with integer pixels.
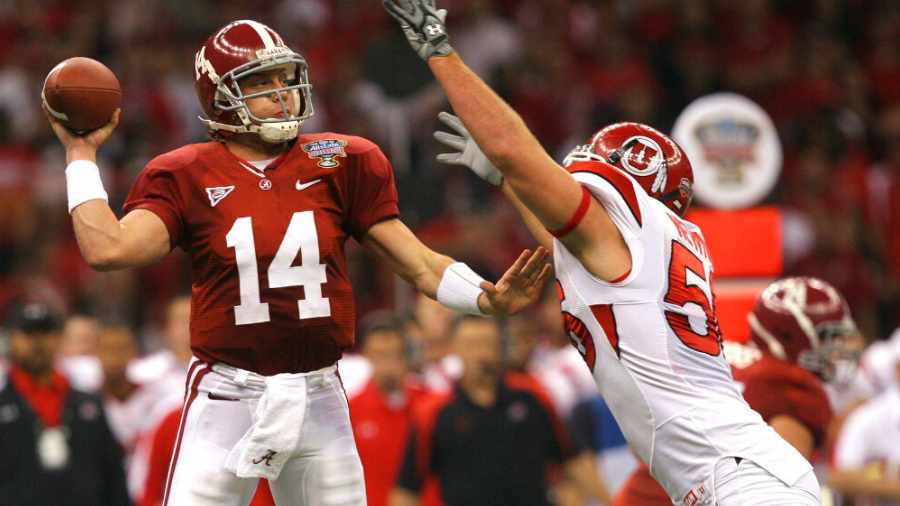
[
  {"x": 373, "y": 192},
  {"x": 802, "y": 400},
  {"x": 620, "y": 197},
  {"x": 615, "y": 190},
  {"x": 156, "y": 190}
]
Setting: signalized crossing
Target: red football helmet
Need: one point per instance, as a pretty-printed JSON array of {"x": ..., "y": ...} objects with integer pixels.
[
  {"x": 654, "y": 160},
  {"x": 236, "y": 51},
  {"x": 807, "y": 322}
]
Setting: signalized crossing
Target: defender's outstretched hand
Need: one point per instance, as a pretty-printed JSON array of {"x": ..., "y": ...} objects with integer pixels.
[
  {"x": 468, "y": 153},
  {"x": 423, "y": 24},
  {"x": 520, "y": 285}
]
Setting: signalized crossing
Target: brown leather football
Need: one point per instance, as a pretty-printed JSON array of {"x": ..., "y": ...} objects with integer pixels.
[{"x": 82, "y": 94}]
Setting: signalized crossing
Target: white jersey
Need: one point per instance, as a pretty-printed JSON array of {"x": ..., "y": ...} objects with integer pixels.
[{"x": 653, "y": 344}]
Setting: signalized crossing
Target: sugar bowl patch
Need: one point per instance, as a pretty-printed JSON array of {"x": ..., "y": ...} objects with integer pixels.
[{"x": 326, "y": 151}]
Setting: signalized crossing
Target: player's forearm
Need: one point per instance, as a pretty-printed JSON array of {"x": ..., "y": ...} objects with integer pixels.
[
  {"x": 532, "y": 222},
  {"x": 429, "y": 276},
  {"x": 856, "y": 482},
  {"x": 538, "y": 181}
]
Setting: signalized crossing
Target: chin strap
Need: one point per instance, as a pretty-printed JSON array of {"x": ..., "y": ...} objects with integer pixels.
[{"x": 274, "y": 133}]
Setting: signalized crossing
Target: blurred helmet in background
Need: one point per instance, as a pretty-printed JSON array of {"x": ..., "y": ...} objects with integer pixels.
[{"x": 806, "y": 321}]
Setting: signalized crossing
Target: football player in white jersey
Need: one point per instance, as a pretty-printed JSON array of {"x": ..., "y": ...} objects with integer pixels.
[{"x": 635, "y": 281}]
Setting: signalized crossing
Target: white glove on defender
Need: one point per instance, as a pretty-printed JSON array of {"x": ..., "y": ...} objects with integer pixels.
[{"x": 468, "y": 153}]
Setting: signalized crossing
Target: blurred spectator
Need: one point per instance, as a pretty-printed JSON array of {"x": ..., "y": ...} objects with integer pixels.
[
  {"x": 556, "y": 364},
  {"x": 57, "y": 447},
  {"x": 78, "y": 352},
  {"x": 81, "y": 334},
  {"x": 381, "y": 413},
  {"x": 867, "y": 457},
  {"x": 160, "y": 379},
  {"x": 471, "y": 438},
  {"x": 594, "y": 428},
  {"x": 439, "y": 367}
]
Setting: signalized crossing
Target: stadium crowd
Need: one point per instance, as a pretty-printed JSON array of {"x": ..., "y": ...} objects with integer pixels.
[{"x": 828, "y": 72}]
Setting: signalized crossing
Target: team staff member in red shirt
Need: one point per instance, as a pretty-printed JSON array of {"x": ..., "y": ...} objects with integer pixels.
[
  {"x": 264, "y": 212},
  {"x": 382, "y": 411},
  {"x": 803, "y": 335},
  {"x": 55, "y": 445}
]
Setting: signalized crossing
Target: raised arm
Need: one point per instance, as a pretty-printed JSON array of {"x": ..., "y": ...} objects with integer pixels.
[
  {"x": 106, "y": 243},
  {"x": 554, "y": 197}
]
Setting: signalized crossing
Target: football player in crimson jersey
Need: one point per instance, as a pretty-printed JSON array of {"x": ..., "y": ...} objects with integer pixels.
[
  {"x": 635, "y": 282},
  {"x": 264, "y": 213},
  {"x": 803, "y": 336}
]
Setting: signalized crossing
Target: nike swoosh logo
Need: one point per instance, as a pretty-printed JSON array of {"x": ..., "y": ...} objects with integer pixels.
[{"x": 302, "y": 186}]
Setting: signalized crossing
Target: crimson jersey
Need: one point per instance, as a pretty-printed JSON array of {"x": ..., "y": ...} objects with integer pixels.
[
  {"x": 270, "y": 289},
  {"x": 772, "y": 387}
]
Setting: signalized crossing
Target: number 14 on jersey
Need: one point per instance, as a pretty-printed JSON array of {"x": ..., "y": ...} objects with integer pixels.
[{"x": 301, "y": 236}]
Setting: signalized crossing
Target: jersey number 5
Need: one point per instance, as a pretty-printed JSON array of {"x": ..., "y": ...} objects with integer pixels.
[
  {"x": 301, "y": 236},
  {"x": 686, "y": 277}
]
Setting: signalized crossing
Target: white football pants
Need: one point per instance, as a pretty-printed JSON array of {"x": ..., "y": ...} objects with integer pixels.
[
  {"x": 747, "y": 484},
  {"x": 217, "y": 412}
]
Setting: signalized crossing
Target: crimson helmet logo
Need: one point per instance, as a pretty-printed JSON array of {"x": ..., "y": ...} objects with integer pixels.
[{"x": 642, "y": 156}]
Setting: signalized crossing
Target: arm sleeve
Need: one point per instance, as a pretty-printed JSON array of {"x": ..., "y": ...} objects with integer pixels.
[
  {"x": 156, "y": 190},
  {"x": 621, "y": 197},
  {"x": 614, "y": 189},
  {"x": 408, "y": 476},
  {"x": 807, "y": 403},
  {"x": 373, "y": 192}
]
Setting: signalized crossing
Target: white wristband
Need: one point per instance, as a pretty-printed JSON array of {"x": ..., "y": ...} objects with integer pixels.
[
  {"x": 459, "y": 289},
  {"x": 83, "y": 183}
]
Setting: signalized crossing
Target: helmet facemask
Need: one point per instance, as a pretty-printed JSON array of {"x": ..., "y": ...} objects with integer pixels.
[
  {"x": 230, "y": 97},
  {"x": 836, "y": 357}
]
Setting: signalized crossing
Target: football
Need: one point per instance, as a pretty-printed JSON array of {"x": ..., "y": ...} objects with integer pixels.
[{"x": 82, "y": 94}]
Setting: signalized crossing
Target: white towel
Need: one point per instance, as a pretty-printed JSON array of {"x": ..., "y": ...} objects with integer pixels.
[{"x": 274, "y": 436}]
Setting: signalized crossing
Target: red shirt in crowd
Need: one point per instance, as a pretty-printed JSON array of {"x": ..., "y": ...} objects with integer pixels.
[{"x": 381, "y": 428}]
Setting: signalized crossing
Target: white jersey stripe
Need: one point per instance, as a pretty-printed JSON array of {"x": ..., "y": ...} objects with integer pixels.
[{"x": 263, "y": 33}]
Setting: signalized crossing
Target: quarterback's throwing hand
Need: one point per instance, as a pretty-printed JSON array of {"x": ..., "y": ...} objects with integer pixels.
[
  {"x": 423, "y": 24},
  {"x": 467, "y": 152},
  {"x": 82, "y": 147},
  {"x": 520, "y": 285}
]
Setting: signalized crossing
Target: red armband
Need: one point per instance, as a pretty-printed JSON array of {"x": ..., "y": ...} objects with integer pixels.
[{"x": 576, "y": 218}]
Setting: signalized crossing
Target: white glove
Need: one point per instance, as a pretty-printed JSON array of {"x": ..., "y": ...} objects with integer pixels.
[{"x": 467, "y": 151}]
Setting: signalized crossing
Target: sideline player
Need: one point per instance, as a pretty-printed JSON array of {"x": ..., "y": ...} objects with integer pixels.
[
  {"x": 636, "y": 286},
  {"x": 264, "y": 213},
  {"x": 803, "y": 337}
]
